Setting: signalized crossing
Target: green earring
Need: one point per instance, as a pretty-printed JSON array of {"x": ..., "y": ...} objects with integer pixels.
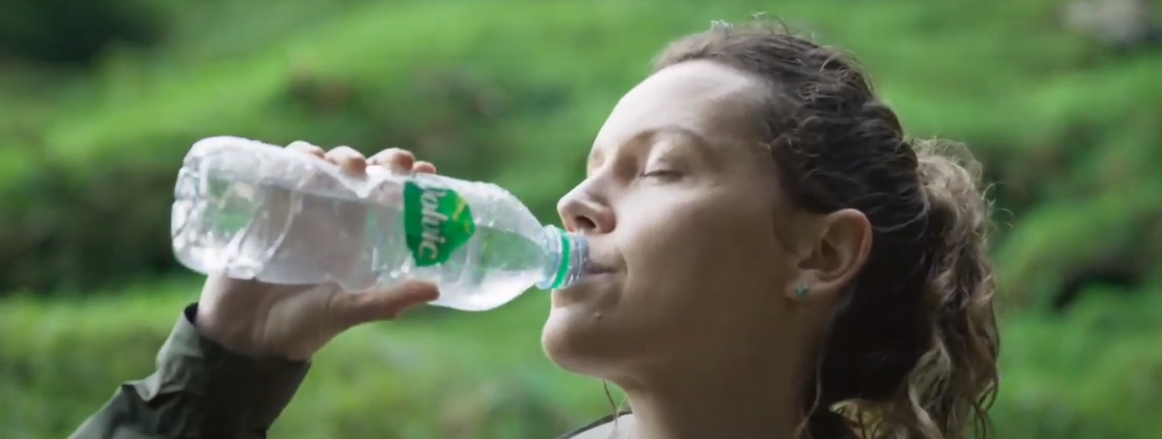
[{"x": 801, "y": 291}]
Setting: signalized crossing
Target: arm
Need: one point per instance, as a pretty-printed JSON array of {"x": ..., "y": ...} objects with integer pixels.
[
  {"x": 203, "y": 390},
  {"x": 200, "y": 390}
]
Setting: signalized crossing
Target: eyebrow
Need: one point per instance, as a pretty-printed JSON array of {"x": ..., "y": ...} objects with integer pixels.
[{"x": 646, "y": 137}]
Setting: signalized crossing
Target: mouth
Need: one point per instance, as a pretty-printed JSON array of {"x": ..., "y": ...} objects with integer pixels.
[
  {"x": 593, "y": 274},
  {"x": 596, "y": 269}
]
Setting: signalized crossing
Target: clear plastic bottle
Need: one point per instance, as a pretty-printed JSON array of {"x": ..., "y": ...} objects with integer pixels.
[{"x": 259, "y": 211}]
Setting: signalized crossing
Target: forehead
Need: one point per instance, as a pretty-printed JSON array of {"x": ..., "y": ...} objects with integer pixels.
[{"x": 713, "y": 101}]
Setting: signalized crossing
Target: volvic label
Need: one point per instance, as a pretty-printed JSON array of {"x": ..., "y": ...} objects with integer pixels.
[{"x": 436, "y": 222}]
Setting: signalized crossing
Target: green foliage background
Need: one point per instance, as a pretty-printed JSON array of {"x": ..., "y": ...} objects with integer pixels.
[{"x": 512, "y": 91}]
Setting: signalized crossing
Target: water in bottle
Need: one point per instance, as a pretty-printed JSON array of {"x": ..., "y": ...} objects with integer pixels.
[{"x": 257, "y": 211}]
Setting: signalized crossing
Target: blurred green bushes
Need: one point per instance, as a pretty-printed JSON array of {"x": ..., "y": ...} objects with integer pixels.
[
  {"x": 515, "y": 97},
  {"x": 1093, "y": 374},
  {"x": 61, "y": 361},
  {"x": 75, "y": 33},
  {"x": 512, "y": 91}
]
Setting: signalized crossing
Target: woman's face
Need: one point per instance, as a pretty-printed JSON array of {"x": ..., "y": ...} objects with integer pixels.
[{"x": 680, "y": 206}]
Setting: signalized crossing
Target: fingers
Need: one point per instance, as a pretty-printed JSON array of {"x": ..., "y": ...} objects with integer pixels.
[
  {"x": 387, "y": 304},
  {"x": 395, "y": 159},
  {"x": 306, "y": 148},
  {"x": 350, "y": 160},
  {"x": 422, "y": 167},
  {"x": 403, "y": 161},
  {"x": 347, "y": 158}
]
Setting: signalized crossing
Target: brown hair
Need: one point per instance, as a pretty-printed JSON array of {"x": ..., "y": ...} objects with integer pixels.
[{"x": 912, "y": 349}]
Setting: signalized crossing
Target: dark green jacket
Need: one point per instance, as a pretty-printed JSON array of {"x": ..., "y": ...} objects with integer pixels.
[{"x": 200, "y": 391}]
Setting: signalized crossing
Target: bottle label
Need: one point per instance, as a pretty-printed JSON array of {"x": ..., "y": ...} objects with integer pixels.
[{"x": 437, "y": 221}]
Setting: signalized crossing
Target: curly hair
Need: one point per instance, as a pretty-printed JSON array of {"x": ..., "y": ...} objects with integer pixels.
[{"x": 911, "y": 350}]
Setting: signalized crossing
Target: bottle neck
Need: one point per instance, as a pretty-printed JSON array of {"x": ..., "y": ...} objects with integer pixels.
[{"x": 566, "y": 256}]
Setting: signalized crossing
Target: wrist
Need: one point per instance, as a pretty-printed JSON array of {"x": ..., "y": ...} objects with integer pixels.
[
  {"x": 229, "y": 336},
  {"x": 238, "y": 334}
]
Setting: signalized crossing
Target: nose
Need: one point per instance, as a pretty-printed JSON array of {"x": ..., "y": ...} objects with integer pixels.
[{"x": 583, "y": 212}]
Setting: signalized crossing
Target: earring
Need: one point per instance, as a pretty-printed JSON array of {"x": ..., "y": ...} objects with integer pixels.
[{"x": 800, "y": 291}]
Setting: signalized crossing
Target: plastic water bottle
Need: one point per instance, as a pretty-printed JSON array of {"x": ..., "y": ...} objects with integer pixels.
[{"x": 257, "y": 211}]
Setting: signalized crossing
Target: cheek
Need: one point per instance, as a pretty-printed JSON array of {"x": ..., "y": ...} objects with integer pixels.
[{"x": 695, "y": 245}]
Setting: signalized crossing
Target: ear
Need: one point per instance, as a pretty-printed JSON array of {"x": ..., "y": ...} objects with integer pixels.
[{"x": 842, "y": 242}]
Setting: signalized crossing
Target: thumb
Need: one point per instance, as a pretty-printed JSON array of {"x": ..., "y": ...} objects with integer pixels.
[{"x": 387, "y": 303}]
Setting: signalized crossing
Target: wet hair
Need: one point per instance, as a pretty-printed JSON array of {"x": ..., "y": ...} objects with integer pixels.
[{"x": 911, "y": 351}]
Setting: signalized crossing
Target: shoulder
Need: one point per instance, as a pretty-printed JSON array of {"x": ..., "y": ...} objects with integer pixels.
[{"x": 607, "y": 427}]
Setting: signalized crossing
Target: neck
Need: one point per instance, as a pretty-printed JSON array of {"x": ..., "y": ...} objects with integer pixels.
[{"x": 728, "y": 399}]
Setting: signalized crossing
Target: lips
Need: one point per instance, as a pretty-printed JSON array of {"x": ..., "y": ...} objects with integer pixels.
[
  {"x": 594, "y": 278},
  {"x": 594, "y": 269}
]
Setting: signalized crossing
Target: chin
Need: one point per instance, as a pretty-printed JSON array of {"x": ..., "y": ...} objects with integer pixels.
[
  {"x": 591, "y": 336},
  {"x": 569, "y": 345},
  {"x": 580, "y": 339}
]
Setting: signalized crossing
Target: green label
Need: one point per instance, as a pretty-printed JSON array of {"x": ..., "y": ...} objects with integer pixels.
[{"x": 436, "y": 222}]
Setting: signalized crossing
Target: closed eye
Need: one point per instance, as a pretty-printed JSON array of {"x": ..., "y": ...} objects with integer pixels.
[{"x": 662, "y": 173}]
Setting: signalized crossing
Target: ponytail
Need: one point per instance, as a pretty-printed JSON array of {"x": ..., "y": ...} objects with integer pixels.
[{"x": 931, "y": 372}]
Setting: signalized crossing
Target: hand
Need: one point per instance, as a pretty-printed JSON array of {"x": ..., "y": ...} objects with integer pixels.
[{"x": 295, "y": 321}]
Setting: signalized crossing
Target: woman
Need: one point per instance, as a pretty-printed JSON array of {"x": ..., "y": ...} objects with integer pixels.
[{"x": 773, "y": 259}]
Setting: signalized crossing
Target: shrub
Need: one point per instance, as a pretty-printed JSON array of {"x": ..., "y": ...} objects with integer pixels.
[
  {"x": 514, "y": 97},
  {"x": 1091, "y": 374},
  {"x": 75, "y": 32}
]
